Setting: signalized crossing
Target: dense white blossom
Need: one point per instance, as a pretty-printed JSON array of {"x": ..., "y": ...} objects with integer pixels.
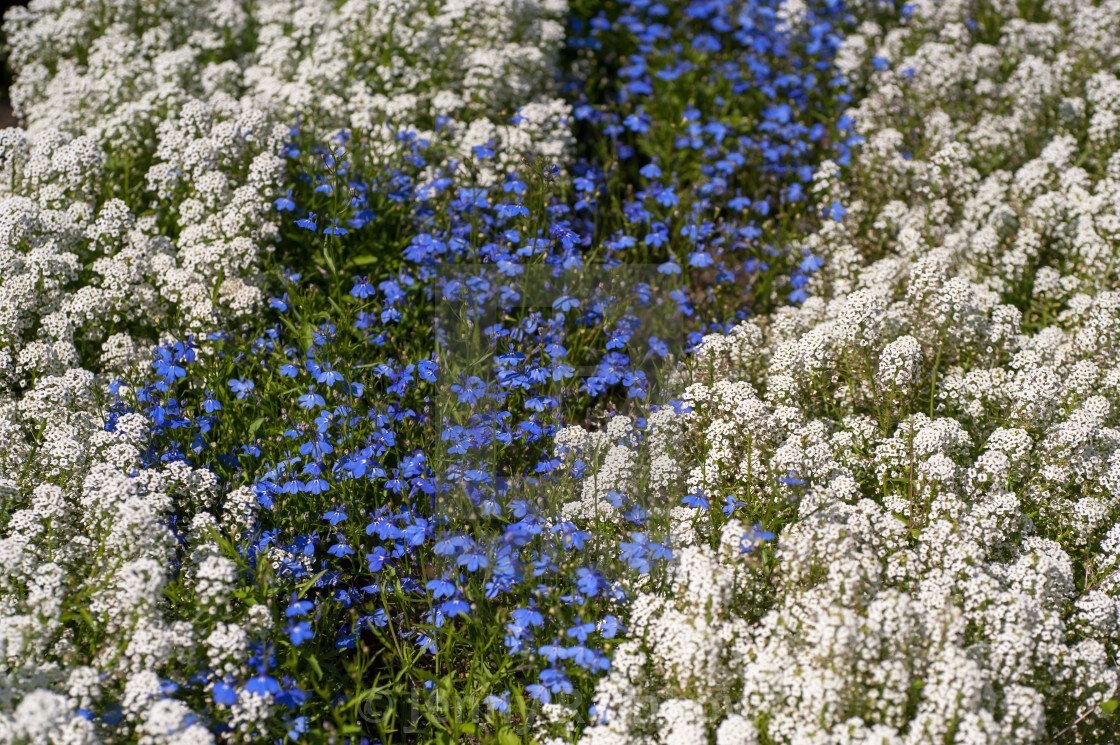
[
  {"x": 86, "y": 556},
  {"x": 477, "y": 72},
  {"x": 934, "y": 437}
]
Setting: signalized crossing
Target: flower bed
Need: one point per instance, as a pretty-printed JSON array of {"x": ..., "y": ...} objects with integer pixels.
[{"x": 524, "y": 371}]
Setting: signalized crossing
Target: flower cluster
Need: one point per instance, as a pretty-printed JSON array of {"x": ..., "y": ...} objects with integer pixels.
[
  {"x": 111, "y": 577},
  {"x": 376, "y": 528},
  {"x": 714, "y": 115},
  {"x": 474, "y": 74},
  {"x": 88, "y": 277},
  {"x": 931, "y": 442},
  {"x": 139, "y": 198},
  {"x": 734, "y": 371},
  {"x": 479, "y": 73}
]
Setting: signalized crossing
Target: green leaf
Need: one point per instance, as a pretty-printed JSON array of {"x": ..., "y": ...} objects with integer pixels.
[
  {"x": 507, "y": 736},
  {"x": 1109, "y": 705},
  {"x": 255, "y": 426},
  {"x": 314, "y": 663},
  {"x": 309, "y": 583}
]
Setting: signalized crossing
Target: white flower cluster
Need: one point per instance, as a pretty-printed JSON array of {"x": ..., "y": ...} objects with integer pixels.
[
  {"x": 934, "y": 437},
  {"x": 468, "y": 72},
  {"x": 86, "y": 557},
  {"x": 137, "y": 197},
  {"x": 474, "y": 72},
  {"x": 81, "y": 269}
]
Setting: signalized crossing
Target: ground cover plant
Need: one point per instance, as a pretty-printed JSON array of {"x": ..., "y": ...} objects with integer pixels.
[{"x": 719, "y": 371}]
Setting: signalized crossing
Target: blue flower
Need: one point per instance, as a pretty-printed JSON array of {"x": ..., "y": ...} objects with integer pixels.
[
  {"x": 473, "y": 562},
  {"x": 311, "y": 400},
  {"x": 340, "y": 550},
  {"x": 731, "y": 504},
  {"x": 609, "y": 627},
  {"x": 791, "y": 479},
  {"x": 376, "y": 559},
  {"x": 297, "y": 728},
  {"x": 223, "y": 694},
  {"x": 327, "y": 375},
  {"x": 300, "y": 632},
  {"x": 440, "y": 588},
  {"x": 525, "y": 618},
  {"x": 499, "y": 704},
  {"x": 555, "y": 680},
  {"x": 635, "y": 553},
  {"x": 362, "y": 289},
  {"x": 587, "y": 581},
  {"x": 565, "y": 303},
  {"x": 210, "y": 405},
  {"x": 811, "y": 264},
  {"x": 754, "y": 537},
  {"x": 262, "y": 685},
  {"x": 455, "y": 607},
  {"x": 695, "y": 501},
  {"x": 427, "y": 371},
  {"x": 581, "y": 631},
  {"x": 285, "y": 203},
  {"x": 241, "y": 387},
  {"x": 667, "y": 198},
  {"x": 471, "y": 391}
]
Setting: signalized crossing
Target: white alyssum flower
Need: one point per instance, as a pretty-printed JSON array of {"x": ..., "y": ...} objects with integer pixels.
[{"x": 933, "y": 437}]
